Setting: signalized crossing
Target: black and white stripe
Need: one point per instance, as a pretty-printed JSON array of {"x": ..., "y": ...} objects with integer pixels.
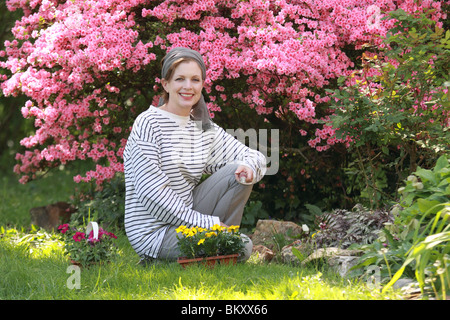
[{"x": 164, "y": 161}]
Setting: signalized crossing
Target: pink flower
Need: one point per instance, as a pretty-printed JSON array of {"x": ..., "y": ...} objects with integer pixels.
[
  {"x": 63, "y": 228},
  {"x": 78, "y": 236},
  {"x": 101, "y": 232},
  {"x": 112, "y": 235}
]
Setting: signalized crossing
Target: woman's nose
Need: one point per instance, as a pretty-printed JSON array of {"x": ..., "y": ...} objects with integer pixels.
[{"x": 188, "y": 84}]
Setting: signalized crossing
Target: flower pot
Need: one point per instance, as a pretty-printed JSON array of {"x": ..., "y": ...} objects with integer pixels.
[
  {"x": 76, "y": 263},
  {"x": 209, "y": 262},
  {"x": 85, "y": 249}
]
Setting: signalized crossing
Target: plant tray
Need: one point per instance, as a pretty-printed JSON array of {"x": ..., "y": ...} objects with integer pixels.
[{"x": 209, "y": 262}]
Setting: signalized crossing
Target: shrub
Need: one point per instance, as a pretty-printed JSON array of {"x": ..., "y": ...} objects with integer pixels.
[
  {"x": 398, "y": 101},
  {"x": 105, "y": 204},
  {"x": 417, "y": 243}
]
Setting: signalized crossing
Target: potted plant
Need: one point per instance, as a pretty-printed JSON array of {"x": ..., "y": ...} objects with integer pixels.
[
  {"x": 209, "y": 246},
  {"x": 96, "y": 245}
]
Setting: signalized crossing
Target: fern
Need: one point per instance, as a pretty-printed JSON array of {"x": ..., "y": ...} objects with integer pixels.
[{"x": 342, "y": 228}]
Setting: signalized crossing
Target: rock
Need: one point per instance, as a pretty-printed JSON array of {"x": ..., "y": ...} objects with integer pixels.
[
  {"x": 402, "y": 283},
  {"x": 409, "y": 288},
  {"x": 263, "y": 253},
  {"x": 265, "y": 229},
  {"x": 343, "y": 264},
  {"x": 50, "y": 216},
  {"x": 341, "y": 260}
]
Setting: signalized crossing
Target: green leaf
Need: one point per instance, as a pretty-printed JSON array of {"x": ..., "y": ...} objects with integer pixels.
[
  {"x": 435, "y": 239},
  {"x": 394, "y": 279},
  {"x": 390, "y": 238},
  {"x": 425, "y": 174},
  {"x": 426, "y": 205},
  {"x": 315, "y": 210},
  {"x": 441, "y": 163},
  {"x": 298, "y": 254},
  {"x": 367, "y": 262}
]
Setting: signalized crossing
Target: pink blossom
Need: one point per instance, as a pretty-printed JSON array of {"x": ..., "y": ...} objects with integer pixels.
[{"x": 88, "y": 67}]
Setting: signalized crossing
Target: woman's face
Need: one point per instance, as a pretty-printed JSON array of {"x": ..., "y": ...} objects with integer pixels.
[{"x": 184, "y": 88}]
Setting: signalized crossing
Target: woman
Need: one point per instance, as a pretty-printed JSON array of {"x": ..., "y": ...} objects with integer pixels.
[{"x": 169, "y": 149}]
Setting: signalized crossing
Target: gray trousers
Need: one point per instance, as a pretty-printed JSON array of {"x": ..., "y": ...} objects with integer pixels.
[{"x": 219, "y": 195}]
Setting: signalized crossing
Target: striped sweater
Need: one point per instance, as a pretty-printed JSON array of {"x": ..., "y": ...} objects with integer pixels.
[{"x": 165, "y": 158}]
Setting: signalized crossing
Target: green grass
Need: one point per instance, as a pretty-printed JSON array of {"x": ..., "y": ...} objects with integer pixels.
[
  {"x": 38, "y": 270},
  {"x": 33, "y": 265},
  {"x": 17, "y": 199}
]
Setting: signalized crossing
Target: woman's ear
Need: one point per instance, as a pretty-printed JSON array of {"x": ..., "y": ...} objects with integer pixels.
[{"x": 164, "y": 84}]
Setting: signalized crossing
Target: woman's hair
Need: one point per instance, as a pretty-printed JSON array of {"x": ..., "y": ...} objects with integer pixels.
[{"x": 170, "y": 71}]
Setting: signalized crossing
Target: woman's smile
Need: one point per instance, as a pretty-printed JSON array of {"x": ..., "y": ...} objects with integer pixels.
[{"x": 187, "y": 95}]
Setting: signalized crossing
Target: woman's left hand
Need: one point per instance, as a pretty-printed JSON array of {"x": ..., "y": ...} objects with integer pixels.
[{"x": 244, "y": 171}]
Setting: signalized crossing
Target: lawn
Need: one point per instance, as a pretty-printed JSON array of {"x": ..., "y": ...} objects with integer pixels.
[{"x": 33, "y": 265}]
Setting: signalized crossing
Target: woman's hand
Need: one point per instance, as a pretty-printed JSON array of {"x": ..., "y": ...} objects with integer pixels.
[{"x": 244, "y": 174}]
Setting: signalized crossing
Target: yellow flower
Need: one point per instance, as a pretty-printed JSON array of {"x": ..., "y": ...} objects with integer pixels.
[
  {"x": 200, "y": 241},
  {"x": 233, "y": 228},
  {"x": 180, "y": 229},
  {"x": 216, "y": 227},
  {"x": 210, "y": 234},
  {"x": 190, "y": 232}
]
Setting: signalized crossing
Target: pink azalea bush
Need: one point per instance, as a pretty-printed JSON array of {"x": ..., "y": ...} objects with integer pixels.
[{"x": 89, "y": 67}]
